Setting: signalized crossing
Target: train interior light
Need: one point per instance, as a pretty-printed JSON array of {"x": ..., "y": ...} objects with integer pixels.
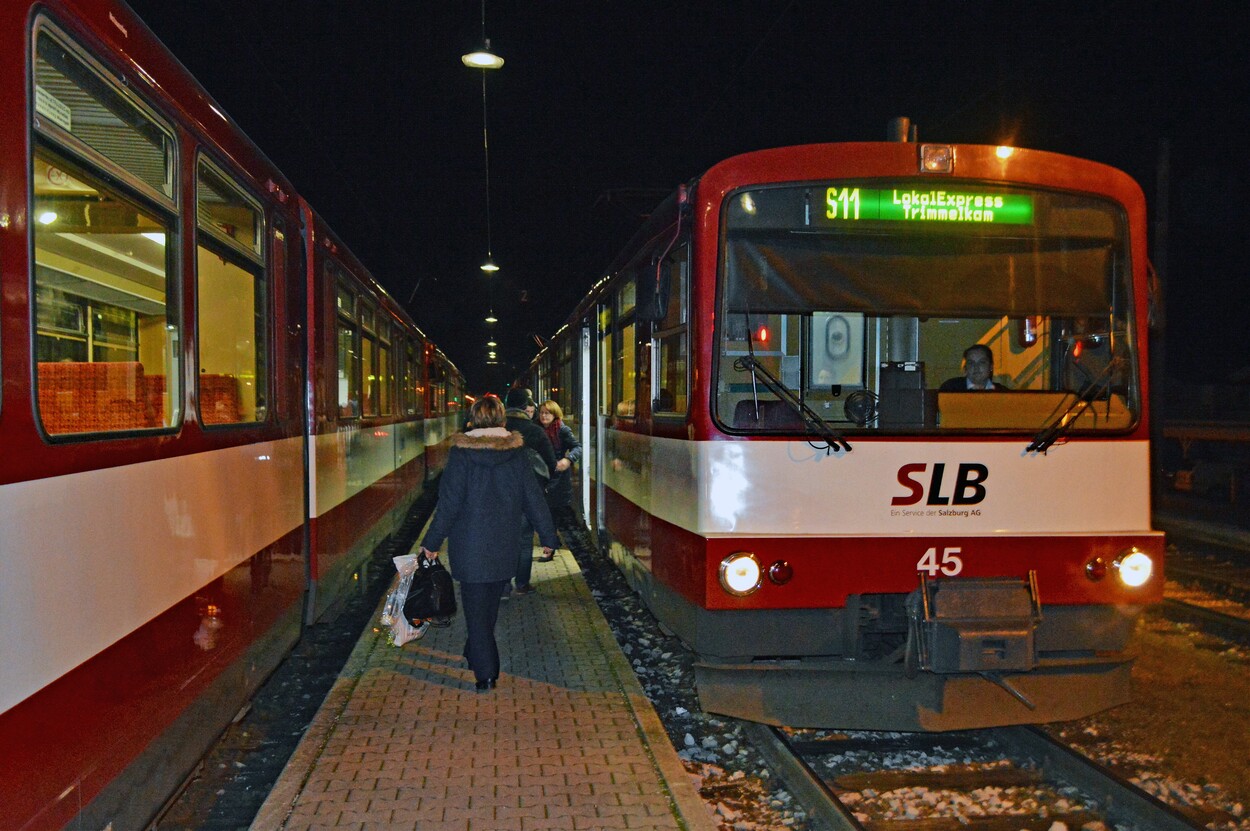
[
  {"x": 1134, "y": 567},
  {"x": 740, "y": 573}
]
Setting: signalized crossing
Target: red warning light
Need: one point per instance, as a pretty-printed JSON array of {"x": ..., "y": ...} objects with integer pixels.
[{"x": 762, "y": 335}]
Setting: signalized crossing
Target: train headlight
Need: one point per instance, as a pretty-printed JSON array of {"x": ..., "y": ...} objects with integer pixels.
[
  {"x": 740, "y": 573},
  {"x": 1134, "y": 567}
]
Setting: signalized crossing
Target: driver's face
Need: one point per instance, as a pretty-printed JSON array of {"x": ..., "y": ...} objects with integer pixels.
[{"x": 978, "y": 368}]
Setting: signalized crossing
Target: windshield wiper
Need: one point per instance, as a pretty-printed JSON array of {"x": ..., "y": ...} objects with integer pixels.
[
  {"x": 811, "y": 419},
  {"x": 1059, "y": 426}
]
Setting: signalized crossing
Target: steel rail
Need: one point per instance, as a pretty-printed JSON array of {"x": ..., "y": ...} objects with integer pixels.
[{"x": 1122, "y": 801}]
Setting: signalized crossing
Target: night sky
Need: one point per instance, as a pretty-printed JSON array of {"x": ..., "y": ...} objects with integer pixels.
[{"x": 603, "y": 107}]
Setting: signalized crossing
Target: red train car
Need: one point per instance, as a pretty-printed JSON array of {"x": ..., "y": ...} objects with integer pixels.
[
  {"x": 210, "y": 414},
  {"x": 785, "y": 455}
]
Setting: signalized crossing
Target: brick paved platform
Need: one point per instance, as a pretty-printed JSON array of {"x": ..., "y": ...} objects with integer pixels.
[{"x": 568, "y": 740}]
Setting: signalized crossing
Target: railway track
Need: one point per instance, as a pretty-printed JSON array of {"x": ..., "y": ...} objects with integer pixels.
[
  {"x": 1012, "y": 778},
  {"x": 1211, "y": 621}
]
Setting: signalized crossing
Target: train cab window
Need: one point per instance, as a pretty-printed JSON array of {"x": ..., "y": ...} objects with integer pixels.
[
  {"x": 232, "y": 301},
  {"x": 348, "y": 360},
  {"x": 669, "y": 343},
  {"x": 105, "y": 293},
  {"x": 860, "y": 299}
]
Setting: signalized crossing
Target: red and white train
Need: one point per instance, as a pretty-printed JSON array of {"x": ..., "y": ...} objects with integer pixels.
[
  {"x": 210, "y": 415},
  {"x": 774, "y": 459}
]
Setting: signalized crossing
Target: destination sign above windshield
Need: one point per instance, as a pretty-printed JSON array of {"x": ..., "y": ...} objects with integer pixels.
[{"x": 841, "y": 205}]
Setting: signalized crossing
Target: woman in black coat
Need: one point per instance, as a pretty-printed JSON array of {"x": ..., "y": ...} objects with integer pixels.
[
  {"x": 485, "y": 488},
  {"x": 568, "y": 452}
]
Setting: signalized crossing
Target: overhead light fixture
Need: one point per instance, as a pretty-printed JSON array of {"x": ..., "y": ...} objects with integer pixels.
[
  {"x": 482, "y": 58},
  {"x": 490, "y": 317},
  {"x": 491, "y": 344}
]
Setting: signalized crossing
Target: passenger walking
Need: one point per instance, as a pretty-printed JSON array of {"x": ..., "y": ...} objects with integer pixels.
[
  {"x": 487, "y": 486},
  {"x": 568, "y": 452},
  {"x": 520, "y": 402}
]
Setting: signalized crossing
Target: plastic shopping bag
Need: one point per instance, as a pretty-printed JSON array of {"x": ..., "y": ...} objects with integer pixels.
[{"x": 401, "y": 629}]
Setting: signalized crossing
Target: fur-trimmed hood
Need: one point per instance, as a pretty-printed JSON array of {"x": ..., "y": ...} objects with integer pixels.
[{"x": 488, "y": 439}]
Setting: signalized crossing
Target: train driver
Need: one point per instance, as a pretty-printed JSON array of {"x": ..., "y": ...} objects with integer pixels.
[{"x": 978, "y": 372}]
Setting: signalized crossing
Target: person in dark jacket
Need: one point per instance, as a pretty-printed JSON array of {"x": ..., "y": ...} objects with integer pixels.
[
  {"x": 520, "y": 421},
  {"x": 978, "y": 372},
  {"x": 486, "y": 487},
  {"x": 568, "y": 452}
]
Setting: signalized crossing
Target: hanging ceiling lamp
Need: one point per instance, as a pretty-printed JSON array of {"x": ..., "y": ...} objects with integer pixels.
[{"x": 484, "y": 59}]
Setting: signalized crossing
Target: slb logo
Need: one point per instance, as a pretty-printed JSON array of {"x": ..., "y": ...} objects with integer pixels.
[{"x": 968, "y": 488}]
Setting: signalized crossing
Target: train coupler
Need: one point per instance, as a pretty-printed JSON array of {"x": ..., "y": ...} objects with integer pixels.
[{"x": 980, "y": 624}]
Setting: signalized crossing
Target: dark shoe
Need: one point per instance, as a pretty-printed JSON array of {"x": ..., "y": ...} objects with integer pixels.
[
  {"x": 524, "y": 589},
  {"x": 485, "y": 686}
]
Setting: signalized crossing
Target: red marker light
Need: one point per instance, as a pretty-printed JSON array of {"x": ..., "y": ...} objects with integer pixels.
[{"x": 762, "y": 335}]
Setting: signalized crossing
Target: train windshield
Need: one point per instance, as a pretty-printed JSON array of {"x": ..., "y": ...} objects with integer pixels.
[{"x": 908, "y": 307}]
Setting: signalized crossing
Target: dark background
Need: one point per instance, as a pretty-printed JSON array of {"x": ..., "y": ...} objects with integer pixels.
[{"x": 604, "y": 106}]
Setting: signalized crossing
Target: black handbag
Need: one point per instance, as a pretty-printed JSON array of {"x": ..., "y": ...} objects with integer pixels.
[{"x": 431, "y": 595}]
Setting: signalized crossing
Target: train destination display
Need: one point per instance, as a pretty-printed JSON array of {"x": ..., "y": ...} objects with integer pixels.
[{"x": 840, "y": 204}]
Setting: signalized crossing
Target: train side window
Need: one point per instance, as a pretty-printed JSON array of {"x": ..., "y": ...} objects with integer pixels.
[
  {"x": 232, "y": 301},
  {"x": 368, "y": 358},
  {"x": 386, "y": 373},
  {"x": 606, "y": 388},
  {"x": 348, "y": 356},
  {"x": 624, "y": 355},
  {"x": 670, "y": 342},
  {"x": 418, "y": 381},
  {"x": 78, "y": 106},
  {"x": 408, "y": 391},
  {"x": 105, "y": 291}
]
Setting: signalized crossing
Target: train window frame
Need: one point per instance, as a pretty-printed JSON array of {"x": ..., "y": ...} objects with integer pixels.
[
  {"x": 672, "y": 331},
  {"x": 237, "y": 259},
  {"x": 625, "y": 352},
  {"x": 345, "y": 319},
  {"x": 386, "y": 369},
  {"x": 139, "y": 406},
  {"x": 368, "y": 345},
  {"x": 605, "y": 317},
  {"x": 50, "y": 115},
  {"x": 1063, "y": 222}
]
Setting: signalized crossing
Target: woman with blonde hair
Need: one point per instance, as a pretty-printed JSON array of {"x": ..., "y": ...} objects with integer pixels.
[{"x": 487, "y": 485}]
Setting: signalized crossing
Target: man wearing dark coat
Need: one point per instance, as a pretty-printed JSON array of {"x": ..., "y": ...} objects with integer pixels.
[
  {"x": 518, "y": 401},
  {"x": 486, "y": 487}
]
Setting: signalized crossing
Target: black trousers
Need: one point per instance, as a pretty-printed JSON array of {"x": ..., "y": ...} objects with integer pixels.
[{"x": 480, "y": 602}]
